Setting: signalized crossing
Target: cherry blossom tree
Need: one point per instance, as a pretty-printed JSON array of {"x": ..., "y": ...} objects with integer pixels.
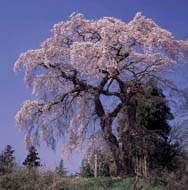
[{"x": 87, "y": 72}]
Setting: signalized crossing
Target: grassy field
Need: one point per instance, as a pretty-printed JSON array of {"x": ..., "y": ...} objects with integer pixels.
[
  {"x": 108, "y": 184},
  {"x": 49, "y": 181}
]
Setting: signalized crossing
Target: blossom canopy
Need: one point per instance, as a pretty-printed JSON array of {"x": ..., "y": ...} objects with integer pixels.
[{"x": 86, "y": 60}]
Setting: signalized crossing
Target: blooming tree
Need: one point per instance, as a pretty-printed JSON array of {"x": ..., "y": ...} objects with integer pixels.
[{"x": 87, "y": 72}]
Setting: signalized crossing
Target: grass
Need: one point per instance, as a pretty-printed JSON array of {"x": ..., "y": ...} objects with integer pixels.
[
  {"x": 24, "y": 180},
  {"x": 106, "y": 184}
]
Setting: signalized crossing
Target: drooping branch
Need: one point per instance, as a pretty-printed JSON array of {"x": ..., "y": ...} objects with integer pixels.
[
  {"x": 85, "y": 60},
  {"x": 60, "y": 99}
]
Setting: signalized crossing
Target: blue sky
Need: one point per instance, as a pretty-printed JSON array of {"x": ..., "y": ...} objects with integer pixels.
[{"x": 24, "y": 24}]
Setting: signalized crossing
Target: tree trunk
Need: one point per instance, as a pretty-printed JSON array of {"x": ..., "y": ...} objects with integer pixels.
[
  {"x": 128, "y": 138},
  {"x": 112, "y": 142},
  {"x": 131, "y": 112},
  {"x": 122, "y": 155},
  {"x": 96, "y": 166},
  {"x": 109, "y": 137}
]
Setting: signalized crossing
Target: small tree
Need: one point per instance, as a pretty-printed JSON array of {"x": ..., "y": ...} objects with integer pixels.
[
  {"x": 98, "y": 157},
  {"x": 86, "y": 170},
  {"x": 61, "y": 170},
  {"x": 7, "y": 160},
  {"x": 32, "y": 160}
]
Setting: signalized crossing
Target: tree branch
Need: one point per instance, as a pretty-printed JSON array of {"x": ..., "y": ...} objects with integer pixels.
[{"x": 115, "y": 112}]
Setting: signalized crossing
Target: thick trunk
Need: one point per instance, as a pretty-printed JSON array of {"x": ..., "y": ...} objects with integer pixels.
[
  {"x": 121, "y": 155},
  {"x": 136, "y": 152},
  {"x": 113, "y": 144},
  {"x": 128, "y": 138},
  {"x": 110, "y": 139},
  {"x": 131, "y": 113},
  {"x": 127, "y": 151}
]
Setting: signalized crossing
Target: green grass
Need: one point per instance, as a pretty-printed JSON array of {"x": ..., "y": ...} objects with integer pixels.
[
  {"x": 24, "y": 180},
  {"x": 106, "y": 184}
]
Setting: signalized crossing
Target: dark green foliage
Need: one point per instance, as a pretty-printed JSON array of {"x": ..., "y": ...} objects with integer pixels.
[
  {"x": 104, "y": 169},
  {"x": 7, "y": 160},
  {"x": 86, "y": 170},
  {"x": 32, "y": 160},
  {"x": 165, "y": 157},
  {"x": 61, "y": 170},
  {"x": 152, "y": 112},
  {"x": 146, "y": 146}
]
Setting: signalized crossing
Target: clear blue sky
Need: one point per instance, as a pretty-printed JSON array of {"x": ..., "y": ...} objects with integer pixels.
[{"x": 24, "y": 24}]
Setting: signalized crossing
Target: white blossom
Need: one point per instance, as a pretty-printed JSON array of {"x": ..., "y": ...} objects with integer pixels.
[{"x": 67, "y": 72}]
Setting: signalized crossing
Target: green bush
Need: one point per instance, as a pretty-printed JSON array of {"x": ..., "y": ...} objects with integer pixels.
[{"x": 26, "y": 180}]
